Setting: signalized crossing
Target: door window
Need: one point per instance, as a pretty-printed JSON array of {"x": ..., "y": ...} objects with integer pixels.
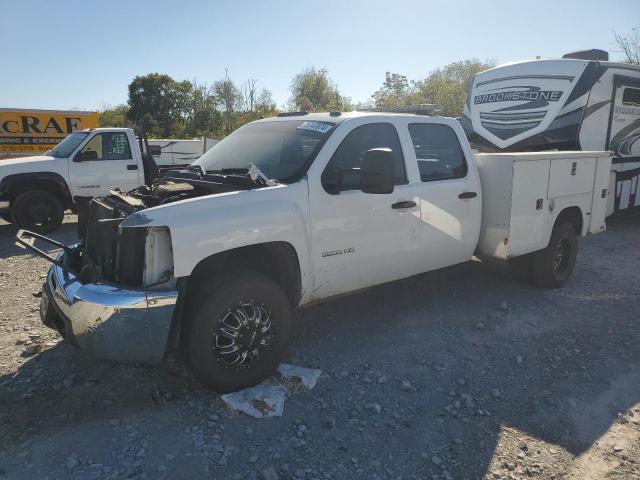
[
  {"x": 110, "y": 146},
  {"x": 347, "y": 159},
  {"x": 438, "y": 152}
]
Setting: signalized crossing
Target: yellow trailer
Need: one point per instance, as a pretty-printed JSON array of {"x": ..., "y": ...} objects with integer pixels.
[{"x": 25, "y": 132}]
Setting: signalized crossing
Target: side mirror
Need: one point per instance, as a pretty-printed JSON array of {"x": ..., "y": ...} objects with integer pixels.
[
  {"x": 332, "y": 181},
  {"x": 377, "y": 173},
  {"x": 86, "y": 156}
]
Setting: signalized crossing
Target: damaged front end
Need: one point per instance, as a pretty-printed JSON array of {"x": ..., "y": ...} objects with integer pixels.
[
  {"x": 111, "y": 321},
  {"x": 114, "y": 293},
  {"x": 139, "y": 256}
]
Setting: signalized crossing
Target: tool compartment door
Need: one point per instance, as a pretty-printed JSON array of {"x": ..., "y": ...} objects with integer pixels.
[
  {"x": 571, "y": 176},
  {"x": 601, "y": 193},
  {"x": 528, "y": 206}
]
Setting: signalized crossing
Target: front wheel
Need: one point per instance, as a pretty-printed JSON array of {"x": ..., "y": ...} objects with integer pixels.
[
  {"x": 37, "y": 210},
  {"x": 552, "y": 266},
  {"x": 239, "y": 332}
]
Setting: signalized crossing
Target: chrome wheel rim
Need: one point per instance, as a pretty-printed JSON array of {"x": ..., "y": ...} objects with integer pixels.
[
  {"x": 242, "y": 335},
  {"x": 561, "y": 255}
]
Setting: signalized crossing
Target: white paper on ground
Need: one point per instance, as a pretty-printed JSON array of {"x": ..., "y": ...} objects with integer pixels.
[
  {"x": 307, "y": 376},
  {"x": 259, "y": 402}
]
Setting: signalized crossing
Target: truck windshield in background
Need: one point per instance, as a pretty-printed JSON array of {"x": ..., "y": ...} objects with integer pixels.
[
  {"x": 68, "y": 145},
  {"x": 282, "y": 150}
]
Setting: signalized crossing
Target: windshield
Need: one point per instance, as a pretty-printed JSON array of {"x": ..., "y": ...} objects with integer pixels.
[
  {"x": 68, "y": 145},
  {"x": 281, "y": 150}
]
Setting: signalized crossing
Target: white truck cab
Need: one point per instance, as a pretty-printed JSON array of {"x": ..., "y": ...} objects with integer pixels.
[
  {"x": 296, "y": 209},
  {"x": 35, "y": 191}
]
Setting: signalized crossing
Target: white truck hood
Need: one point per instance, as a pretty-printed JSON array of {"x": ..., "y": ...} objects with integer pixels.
[
  {"x": 207, "y": 225},
  {"x": 39, "y": 163}
]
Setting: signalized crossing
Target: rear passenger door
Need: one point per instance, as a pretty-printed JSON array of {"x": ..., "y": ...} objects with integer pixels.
[{"x": 448, "y": 193}]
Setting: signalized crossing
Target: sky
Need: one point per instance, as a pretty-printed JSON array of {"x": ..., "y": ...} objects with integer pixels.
[{"x": 68, "y": 54}]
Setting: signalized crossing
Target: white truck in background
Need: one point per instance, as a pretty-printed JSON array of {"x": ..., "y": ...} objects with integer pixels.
[
  {"x": 35, "y": 191},
  {"x": 299, "y": 208}
]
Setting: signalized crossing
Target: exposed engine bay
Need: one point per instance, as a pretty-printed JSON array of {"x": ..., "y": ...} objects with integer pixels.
[
  {"x": 112, "y": 254},
  {"x": 179, "y": 185}
]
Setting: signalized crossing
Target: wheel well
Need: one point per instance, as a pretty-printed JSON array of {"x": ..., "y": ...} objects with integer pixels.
[
  {"x": 15, "y": 188},
  {"x": 573, "y": 215},
  {"x": 276, "y": 260}
]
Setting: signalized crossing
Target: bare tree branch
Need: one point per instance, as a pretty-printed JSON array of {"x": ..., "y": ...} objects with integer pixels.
[{"x": 629, "y": 46}]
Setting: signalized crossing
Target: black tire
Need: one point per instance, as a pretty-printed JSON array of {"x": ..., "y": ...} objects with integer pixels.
[
  {"x": 37, "y": 210},
  {"x": 209, "y": 348},
  {"x": 553, "y": 266},
  {"x": 520, "y": 268}
]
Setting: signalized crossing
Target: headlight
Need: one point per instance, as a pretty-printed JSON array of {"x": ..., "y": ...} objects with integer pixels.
[{"x": 158, "y": 257}]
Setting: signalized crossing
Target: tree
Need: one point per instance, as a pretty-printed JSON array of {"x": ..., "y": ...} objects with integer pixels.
[
  {"x": 313, "y": 91},
  {"x": 204, "y": 119},
  {"x": 249, "y": 94},
  {"x": 156, "y": 102},
  {"x": 174, "y": 109},
  {"x": 264, "y": 102},
  {"x": 114, "y": 116},
  {"x": 228, "y": 98},
  {"x": 447, "y": 87},
  {"x": 395, "y": 91},
  {"x": 629, "y": 46}
]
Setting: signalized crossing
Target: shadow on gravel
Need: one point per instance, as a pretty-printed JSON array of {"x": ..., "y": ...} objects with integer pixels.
[
  {"x": 479, "y": 352},
  {"x": 63, "y": 385},
  {"x": 558, "y": 365},
  {"x": 66, "y": 234}
]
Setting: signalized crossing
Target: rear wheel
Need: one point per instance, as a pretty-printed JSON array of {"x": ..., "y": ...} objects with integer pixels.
[
  {"x": 553, "y": 266},
  {"x": 239, "y": 332},
  {"x": 37, "y": 210}
]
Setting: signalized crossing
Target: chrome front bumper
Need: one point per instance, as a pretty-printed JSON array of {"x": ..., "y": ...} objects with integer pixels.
[{"x": 110, "y": 322}]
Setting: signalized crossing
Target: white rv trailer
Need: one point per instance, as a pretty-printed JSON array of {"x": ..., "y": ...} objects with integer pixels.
[
  {"x": 171, "y": 153},
  {"x": 572, "y": 103}
]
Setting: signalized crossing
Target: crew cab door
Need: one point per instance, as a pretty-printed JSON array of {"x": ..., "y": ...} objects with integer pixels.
[
  {"x": 112, "y": 165},
  {"x": 360, "y": 239},
  {"x": 448, "y": 191}
]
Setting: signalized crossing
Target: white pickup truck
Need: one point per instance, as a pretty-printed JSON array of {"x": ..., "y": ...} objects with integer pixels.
[
  {"x": 35, "y": 191},
  {"x": 296, "y": 209}
]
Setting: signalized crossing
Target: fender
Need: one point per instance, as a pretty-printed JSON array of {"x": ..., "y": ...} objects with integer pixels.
[
  {"x": 7, "y": 183},
  {"x": 204, "y": 226},
  {"x": 561, "y": 208}
]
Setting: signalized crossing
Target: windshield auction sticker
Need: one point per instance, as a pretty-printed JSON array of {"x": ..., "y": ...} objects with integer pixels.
[{"x": 319, "y": 127}]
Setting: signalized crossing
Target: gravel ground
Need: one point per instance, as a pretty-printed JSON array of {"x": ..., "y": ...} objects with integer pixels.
[{"x": 460, "y": 373}]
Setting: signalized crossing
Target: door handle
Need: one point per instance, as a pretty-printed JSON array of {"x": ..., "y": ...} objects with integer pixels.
[
  {"x": 405, "y": 204},
  {"x": 465, "y": 195},
  {"x": 132, "y": 167}
]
